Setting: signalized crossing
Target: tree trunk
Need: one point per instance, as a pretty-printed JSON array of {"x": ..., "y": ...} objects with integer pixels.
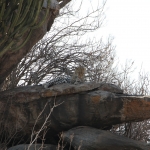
[{"x": 10, "y": 59}]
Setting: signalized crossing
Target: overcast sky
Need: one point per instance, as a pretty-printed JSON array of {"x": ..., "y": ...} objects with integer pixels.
[{"x": 128, "y": 21}]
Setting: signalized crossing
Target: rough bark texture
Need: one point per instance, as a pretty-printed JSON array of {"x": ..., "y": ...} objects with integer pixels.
[
  {"x": 87, "y": 138},
  {"x": 78, "y": 105},
  {"x": 11, "y": 58}
]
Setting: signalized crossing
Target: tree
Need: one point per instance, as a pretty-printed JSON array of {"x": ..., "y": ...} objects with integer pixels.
[
  {"x": 18, "y": 30},
  {"x": 58, "y": 52},
  {"x": 64, "y": 49}
]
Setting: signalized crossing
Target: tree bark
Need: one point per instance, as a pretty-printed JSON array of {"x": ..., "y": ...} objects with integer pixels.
[{"x": 11, "y": 58}]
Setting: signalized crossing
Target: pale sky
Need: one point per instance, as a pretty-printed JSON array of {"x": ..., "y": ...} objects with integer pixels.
[{"x": 129, "y": 22}]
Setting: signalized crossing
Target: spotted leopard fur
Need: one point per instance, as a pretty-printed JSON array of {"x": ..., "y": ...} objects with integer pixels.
[
  {"x": 76, "y": 78},
  {"x": 58, "y": 80}
]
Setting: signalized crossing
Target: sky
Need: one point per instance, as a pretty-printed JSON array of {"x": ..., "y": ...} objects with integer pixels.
[{"x": 128, "y": 21}]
